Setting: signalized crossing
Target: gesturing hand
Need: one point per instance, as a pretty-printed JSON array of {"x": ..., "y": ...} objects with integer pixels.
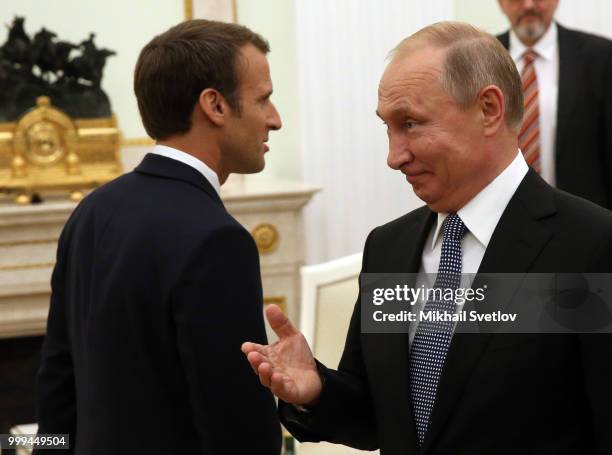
[{"x": 287, "y": 366}]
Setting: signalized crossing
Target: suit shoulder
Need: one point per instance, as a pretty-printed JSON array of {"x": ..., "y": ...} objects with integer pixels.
[
  {"x": 140, "y": 202},
  {"x": 398, "y": 226},
  {"x": 583, "y": 213},
  {"x": 592, "y": 42}
]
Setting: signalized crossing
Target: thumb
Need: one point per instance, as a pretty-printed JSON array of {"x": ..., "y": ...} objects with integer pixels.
[{"x": 281, "y": 325}]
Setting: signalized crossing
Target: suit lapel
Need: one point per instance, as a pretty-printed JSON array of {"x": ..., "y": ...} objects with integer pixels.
[
  {"x": 161, "y": 166},
  {"x": 408, "y": 241},
  {"x": 517, "y": 241},
  {"x": 407, "y": 257}
]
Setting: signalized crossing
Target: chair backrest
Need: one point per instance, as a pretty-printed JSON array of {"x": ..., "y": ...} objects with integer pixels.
[{"x": 329, "y": 293}]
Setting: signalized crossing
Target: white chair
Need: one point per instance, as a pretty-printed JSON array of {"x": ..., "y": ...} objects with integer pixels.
[{"x": 329, "y": 293}]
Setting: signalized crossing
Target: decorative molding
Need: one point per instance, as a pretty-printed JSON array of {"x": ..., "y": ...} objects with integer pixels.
[
  {"x": 137, "y": 141},
  {"x": 234, "y": 11},
  {"x": 10, "y": 243},
  {"x": 13, "y": 267},
  {"x": 188, "y": 4},
  {"x": 189, "y": 11},
  {"x": 266, "y": 237}
]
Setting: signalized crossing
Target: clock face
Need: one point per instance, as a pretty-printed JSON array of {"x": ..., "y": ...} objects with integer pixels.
[{"x": 44, "y": 143}]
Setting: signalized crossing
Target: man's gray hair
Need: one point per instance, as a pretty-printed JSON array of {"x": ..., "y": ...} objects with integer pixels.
[{"x": 473, "y": 60}]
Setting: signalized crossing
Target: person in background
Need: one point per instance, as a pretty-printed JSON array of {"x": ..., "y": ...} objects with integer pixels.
[{"x": 567, "y": 79}]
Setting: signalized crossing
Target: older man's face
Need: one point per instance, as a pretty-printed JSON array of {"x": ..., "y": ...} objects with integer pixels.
[
  {"x": 434, "y": 143},
  {"x": 529, "y": 18}
]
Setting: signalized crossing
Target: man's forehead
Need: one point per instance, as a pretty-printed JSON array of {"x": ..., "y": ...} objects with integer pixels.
[
  {"x": 404, "y": 77},
  {"x": 419, "y": 63}
]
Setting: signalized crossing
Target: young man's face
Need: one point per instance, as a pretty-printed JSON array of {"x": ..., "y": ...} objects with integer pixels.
[
  {"x": 247, "y": 131},
  {"x": 529, "y": 18}
]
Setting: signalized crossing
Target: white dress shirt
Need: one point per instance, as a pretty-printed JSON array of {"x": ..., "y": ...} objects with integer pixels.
[
  {"x": 480, "y": 216},
  {"x": 189, "y": 160},
  {"x": 546, "y": 67}
]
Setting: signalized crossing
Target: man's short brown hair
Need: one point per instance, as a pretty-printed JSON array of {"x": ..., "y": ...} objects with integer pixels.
[
  {"x": 473, "y": 60},
  {"x": 174, "y": 68}
]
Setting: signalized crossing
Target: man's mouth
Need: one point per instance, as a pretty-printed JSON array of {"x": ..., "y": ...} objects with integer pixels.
[
  {"x": 413, "y": 173},
  {"x": 413, "y": 176},
  {"x": 530, "y": 15}
]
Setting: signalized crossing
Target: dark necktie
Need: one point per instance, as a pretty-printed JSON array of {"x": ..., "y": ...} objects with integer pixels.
[{"x": 433, "y": 338}]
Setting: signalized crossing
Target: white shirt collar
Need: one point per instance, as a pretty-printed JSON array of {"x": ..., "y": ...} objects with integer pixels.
[
  {"x": 545, "y": 47},
  {"x": 189, "y": 160},
  {"x": 483, "y": 212}
]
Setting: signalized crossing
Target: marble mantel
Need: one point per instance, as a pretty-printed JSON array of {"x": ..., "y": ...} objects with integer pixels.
[{"x": 270, "y": 209}]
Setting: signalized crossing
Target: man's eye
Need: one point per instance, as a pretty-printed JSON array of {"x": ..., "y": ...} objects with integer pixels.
[{"x": 409, "y": 125}]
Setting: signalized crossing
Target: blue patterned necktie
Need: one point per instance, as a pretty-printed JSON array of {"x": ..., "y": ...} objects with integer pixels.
[{"x": 432, "y": 338}]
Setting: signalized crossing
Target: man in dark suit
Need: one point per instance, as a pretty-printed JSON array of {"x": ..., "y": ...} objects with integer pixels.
[
  {"x": 573, "y": 73},
  {"x": 156, "y": 286},
  {"x": 451, "y": 100}
]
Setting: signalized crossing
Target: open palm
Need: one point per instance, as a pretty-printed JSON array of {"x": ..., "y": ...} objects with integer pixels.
[{"x": 287, "y": 366}]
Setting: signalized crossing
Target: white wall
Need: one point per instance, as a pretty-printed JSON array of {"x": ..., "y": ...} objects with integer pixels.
[
  {"x": 484, "y": 14},
  {"x": 342, "y": 49},
  {"x": 275, "y": 20},
  {"x": 591, "y": 15}
]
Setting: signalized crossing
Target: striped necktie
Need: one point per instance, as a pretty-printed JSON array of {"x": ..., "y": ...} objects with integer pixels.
[
  {"x": 432, "y": 339},
  {"x": 529, "y": 136}
]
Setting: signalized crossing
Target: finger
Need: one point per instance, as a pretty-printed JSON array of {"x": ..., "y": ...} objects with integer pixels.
[
  {"x": 256, "y": 359},
  {"x": 279, "y": 322},
  {"x": 248, "y": 347},
  {"x": 265, "y": 373}
]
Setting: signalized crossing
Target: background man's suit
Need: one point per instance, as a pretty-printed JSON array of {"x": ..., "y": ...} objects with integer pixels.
[
  {"x": 498, "y": 394},
  {"x": 583, "y": 139},
  {"x": 155, "y": 289}
]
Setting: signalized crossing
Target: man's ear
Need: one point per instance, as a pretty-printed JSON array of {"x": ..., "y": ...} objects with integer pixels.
[
  {"x": 214, "y": 106},
  {"x": 493, "y": 108}
]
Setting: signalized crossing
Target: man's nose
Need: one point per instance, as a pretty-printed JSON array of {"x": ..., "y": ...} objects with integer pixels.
[
  {"x": 275, "y": 122},
  {"x": 398, "y": 155},
  {"x": 529, "y": 4}
]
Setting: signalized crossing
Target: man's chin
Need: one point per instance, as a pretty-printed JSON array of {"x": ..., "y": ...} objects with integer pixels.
[
  {"x": 435, "y": 202},
  {"x": 253, "y": 168},
  {"x": 423, "y": 195},
  {"x": 531, "y": 32}
]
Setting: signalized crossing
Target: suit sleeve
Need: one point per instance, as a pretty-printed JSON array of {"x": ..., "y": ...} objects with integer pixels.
[
  {"x": 344, "y": 413},
  {"x": 216, "y": 306},
  {"x": 56, "y": 401}
]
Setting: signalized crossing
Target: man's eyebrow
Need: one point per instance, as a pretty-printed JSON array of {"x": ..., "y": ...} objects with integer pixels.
[{"x": 403, "y": 110}]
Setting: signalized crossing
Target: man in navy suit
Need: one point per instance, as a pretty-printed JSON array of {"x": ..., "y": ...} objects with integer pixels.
[
  {"x": 156, "y": 285},
  {"x": 573, "y": 72},
  {"x": 452, "y": 104}
]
